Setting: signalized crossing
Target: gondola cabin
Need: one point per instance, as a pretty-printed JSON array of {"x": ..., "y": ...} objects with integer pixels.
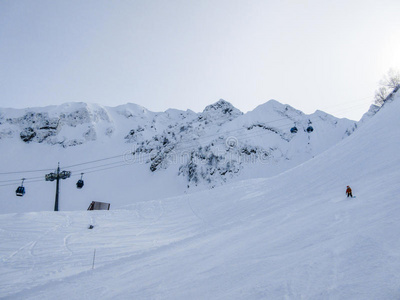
[
  {"x": 293, "y": 129},
  {"x": 79, "y": 184},
  {"x": 310, "y": 129},
  {"x": 20, "y": 191}
]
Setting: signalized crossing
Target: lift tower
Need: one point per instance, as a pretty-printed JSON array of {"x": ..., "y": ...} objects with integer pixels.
[{"x": 57, "y": 176}]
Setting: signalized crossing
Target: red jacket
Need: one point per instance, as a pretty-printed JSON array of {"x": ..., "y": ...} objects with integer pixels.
[{"x": 348, "y": 190}]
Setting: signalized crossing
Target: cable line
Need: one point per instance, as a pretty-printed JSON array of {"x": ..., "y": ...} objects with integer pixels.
[
  {"x": 16, "y": 180},
  {"x": 110, "y": 164},
  {"x": 26, "y": 171},
  {"x": 10, "y": 184},
  {"x": 93, "y": 161}
]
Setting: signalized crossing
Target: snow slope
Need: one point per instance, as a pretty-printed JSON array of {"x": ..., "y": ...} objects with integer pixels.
[{"x": 292, "y": 236}]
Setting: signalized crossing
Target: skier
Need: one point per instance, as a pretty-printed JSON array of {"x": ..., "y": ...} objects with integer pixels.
[{"x": 348, "y": 192}]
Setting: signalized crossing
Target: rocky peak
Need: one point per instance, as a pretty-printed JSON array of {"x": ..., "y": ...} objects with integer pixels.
[
  {"x": 219, "y": 112},
  {"x": 223, "y": 107}
]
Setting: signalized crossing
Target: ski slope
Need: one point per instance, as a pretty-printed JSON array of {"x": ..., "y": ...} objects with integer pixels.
[{"x": 292, "y": 236}]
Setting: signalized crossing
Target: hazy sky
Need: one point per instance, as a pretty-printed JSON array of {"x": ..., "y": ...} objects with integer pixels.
[{"x": 327, "y": 55}]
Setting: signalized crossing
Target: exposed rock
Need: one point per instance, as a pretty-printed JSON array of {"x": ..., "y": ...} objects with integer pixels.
[{"x": 27, "y": 134}]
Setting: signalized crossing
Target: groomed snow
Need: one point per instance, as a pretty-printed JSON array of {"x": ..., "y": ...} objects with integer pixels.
[{"x": 292, "y": 236}]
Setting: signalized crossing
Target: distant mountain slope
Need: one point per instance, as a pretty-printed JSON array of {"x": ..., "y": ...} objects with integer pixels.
[{"x": 155, "y": 154}]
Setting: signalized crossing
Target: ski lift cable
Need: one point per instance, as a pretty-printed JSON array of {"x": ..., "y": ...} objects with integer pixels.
[
  {"x": 94, "y": 171},
  {"x": 348, "y": 108},
  {"x": 26, "y": 181},
  {"x": 352, "y": 102},
  {"x": 93, "y": 161},
  {"x": 95, "y": 167},
  {"x": 71, "y": 166},
  {"x": 26, "y": 171},
  {"x": 17, "y": 180}
]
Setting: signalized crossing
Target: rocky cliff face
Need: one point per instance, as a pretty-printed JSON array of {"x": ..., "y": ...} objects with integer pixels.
[
  {"x": 66, "y": 125},
  {"x": 221, "y": 142}
]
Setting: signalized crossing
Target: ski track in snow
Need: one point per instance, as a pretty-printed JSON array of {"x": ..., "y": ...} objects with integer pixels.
[
  {"x": 31, "y": 245},
  {"x": 66, "y": 243},
  {"x": 155, "y": 220},
  {"x": 207, "y": 224}
]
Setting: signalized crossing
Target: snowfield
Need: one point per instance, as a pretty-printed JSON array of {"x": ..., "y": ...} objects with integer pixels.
[{"x": 290, "y": 236}]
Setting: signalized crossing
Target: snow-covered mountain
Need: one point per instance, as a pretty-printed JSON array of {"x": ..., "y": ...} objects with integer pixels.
[
  {"x": 146, "y": 155},
  {"x": 290, "y": 236}
]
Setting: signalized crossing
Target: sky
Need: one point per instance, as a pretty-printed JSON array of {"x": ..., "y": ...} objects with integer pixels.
[{"x": 186, "y": 54}]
